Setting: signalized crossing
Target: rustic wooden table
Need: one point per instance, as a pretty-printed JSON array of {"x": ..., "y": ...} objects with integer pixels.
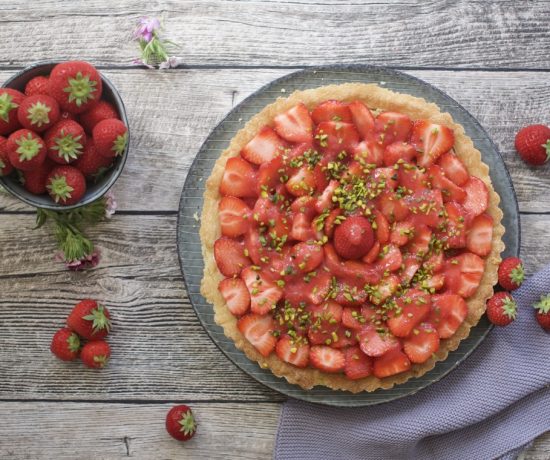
[{"x": 489, "y": 56}]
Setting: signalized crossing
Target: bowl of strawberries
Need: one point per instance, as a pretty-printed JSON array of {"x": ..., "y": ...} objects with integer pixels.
[{"x": 63, "y": 135}]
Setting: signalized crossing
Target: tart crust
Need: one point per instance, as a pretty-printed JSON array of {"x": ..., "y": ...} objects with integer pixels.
[{"x": 374, "y": 97}]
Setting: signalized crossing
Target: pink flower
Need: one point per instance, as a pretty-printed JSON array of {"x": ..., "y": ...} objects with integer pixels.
[
  {"x": 146, "y": 28},
  {"x": 87, "y": 262},
  {"x": 110, "y": 204}
]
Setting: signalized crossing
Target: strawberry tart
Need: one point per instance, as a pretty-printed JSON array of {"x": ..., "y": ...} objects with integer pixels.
[{"x": 351, "y": 237}]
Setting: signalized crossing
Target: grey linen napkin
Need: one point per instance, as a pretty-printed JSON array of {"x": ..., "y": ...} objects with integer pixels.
[{"x": 492, "y": 405}]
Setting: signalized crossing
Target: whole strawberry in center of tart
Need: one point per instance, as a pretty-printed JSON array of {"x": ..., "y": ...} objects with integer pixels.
[
  {"x": 353, "y": 238},
  {"x": 350, "y": 239}
]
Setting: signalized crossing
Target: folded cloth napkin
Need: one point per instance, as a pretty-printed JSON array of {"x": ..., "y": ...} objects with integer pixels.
[{"x": 492, "y": 405}]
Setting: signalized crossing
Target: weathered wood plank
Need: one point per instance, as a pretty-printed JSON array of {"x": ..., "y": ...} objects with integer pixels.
[
  {"x": 160, "y": 351},
  {"x": 116, "y": 431},
  {"x": 178, "y": 109},
  {"x": 288, "y": 33}
]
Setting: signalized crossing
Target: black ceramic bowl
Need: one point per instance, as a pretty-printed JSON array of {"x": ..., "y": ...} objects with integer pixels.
[{"x": 95, "y": 190}]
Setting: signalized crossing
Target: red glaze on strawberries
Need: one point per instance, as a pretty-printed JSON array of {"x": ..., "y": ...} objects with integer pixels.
[{"x": 350, "y": 239}]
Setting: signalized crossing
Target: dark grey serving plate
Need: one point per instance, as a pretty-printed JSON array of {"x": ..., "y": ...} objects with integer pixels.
[{"x": 189, "y": 245}]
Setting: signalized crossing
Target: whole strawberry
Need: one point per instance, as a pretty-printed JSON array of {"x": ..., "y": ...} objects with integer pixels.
[
  {"x": 65, "y": 344},
  {"x": 180, "y": 423},
  {"x": 101, "y": 111},
  {"x": 65, "y": 141},
  {"x": 90, "y": 320},
  {"x": 9, "y": 103},
  {"x": 38, "y": 112},
  {"x": 35, "y": 181},
  {"x": 533, "y": 144},
  {"x": 36, "y": 85},
  {"x": 501, "y": 309},
  {"x": 90, "y": 163},
  {"x": 510, "y": 273},
  {"x": 110, "y": 137},
  {"x": 96, "y": 354},
  {"x": 26, "y": 150},
  {"x": 66, "y": 185},
  {"x": 542, "y": 314},
  {"x": 76, "y": 85},
  {"x": 5, "y": 165}
]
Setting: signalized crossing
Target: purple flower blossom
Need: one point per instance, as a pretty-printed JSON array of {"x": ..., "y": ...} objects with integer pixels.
[
  {"x": 87, "y": 262},
  {"x": 110, "y": 204},
  {"x": 146, "y": 28}
]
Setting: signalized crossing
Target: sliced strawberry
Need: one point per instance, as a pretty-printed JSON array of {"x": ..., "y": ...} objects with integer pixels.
[
  {"x": 305, "y": 205},
  {"x": 381, "y": 227},
  {"x": 271, "y": 174},
  {"x": 449, "y": 190},
  {"x": 362, "y": 119},
  {"x": 392, "y": 363},
  {"x": 420, "y": 243},
  {"x": 463, "y": 274},
  {"x": 412, "y": 308},
  {"x": 335, "y": 136},
  {"x": 301, "y": 182},
  {"x": 448, "y": 312},
  {"x": 235, "y": 294},
  {"x": 426, "y": 207},
  {"x": 229, "y": 255},
  {"x": 324, "y": 201},
  {"x": 422, "y": 343},
  {"x": 318, "y": 288},
  {"x": 351, "y": 270},
  {"x": 234, "y": 216},
  {"x": 369, "y": 152},
  {"x": 392, "y": 127},
  {"x": 258, "y": 330},
  {"x": 263, "y": 147},
  {"x": 435, "y": 263},
  {"x": 386, "y": 288},
  {"x": 454, "y": 230},
  {"x": 386, "y": 176},
  {"x": 239, "y": 179},
  {"x": 391, "y": 259},
  {"x": 477, "y": 196},
  {"x": 352, "y": 318},
  {"x": 292, "y": 351},
  {"x": 412, "y": 178},
  {"x": 327, "y": 311},
  {"x": 254, "y": 248},
  {"x": 264, "y": 293},
  {"x": 399, "y": 151},
  {"x": 358, "y": 365},
  {"x": 307, "y": 256},
  {"x": 327, "y": 359},
  {"x": 295, "y": 125},
  {"x": 344, "y": 337},
  {"x": 331, "y": 111},
  {"x": 393, "y": 208},
  {"x": 375, "y": 343},
  {"x": 402, "y": 232},
  {"x": 301, "y": 229},
  {"x": 480, "y": 235},
  {"x": 454, "y": 168},
  {"x": 431, "y": 141},
  {"x": 432, "y": 283},
  {"x": 410, "y": 267},
  {"x": 372, "y": 255},
  {"x": 331, "y": 221},
  {"x": 349, "y": 291}
]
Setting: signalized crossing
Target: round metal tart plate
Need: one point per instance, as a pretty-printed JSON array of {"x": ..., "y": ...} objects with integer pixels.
[{"x": 189, "y": 245}]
